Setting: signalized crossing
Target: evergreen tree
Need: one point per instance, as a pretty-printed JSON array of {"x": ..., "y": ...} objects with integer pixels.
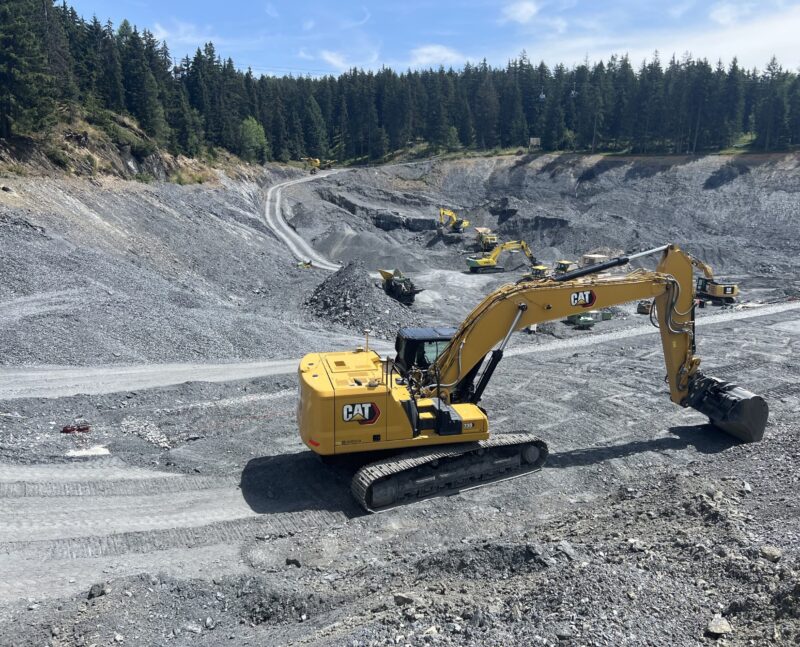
[
  {"x": 25, "y": 85},
  {"x": 49, "y": 53},
  {"x": 316, "y": 133},
  {"x": 487, "y": 113},
  {"x": 772, "y": 125}
]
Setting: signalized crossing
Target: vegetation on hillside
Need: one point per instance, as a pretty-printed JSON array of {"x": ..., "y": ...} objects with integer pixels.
[{"x": 55, "y": 65}]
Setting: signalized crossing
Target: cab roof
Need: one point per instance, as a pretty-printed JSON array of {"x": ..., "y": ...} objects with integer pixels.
[{"x": 428, "y": 334}]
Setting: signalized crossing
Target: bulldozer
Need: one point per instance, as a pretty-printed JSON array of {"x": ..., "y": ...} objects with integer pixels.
[
  {"x": 421, "y": 410},
  {"x": 488, "y": 262},
  {"x": 399, "y": 287},
  {"x": 450, "y": 223},
  {"x": 485, "y": 240}
]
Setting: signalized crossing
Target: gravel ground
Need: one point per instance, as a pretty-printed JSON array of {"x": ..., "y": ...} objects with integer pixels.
[{"x": 192, "y": 514}]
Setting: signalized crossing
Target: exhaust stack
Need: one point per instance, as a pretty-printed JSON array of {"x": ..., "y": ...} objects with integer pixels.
[{"x": 729, "y": 407}]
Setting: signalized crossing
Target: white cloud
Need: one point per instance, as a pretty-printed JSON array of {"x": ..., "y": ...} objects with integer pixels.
[
  {"x": 728, "y": 13},
  {"x": 304, "y": 55},
  {"x": 520, "y": 12},
  {"x": 308, "y": 25},
  {"x": 185, "y": 33},
  {"x": 352, "y": 24},
  {"x": 270, "y": 10},
  {"x": 428, "y": 55},
  {"x": 336, "y": 60},
  {"x": 753, "y": 42}
]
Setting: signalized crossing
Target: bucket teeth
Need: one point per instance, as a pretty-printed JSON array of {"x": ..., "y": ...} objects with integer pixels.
[{"x": 731, "y": 408}]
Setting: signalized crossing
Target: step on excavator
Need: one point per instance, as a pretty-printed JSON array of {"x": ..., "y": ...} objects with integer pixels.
[
  {"x": 486, "y": 263},
  {"x": 421, "y": 411}
]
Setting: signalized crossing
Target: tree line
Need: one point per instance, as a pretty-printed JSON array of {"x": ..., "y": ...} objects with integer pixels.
[{"x": 52, "y": 61}]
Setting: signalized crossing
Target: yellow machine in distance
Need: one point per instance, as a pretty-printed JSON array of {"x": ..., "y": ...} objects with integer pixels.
[
  {"x": 449, "y": 222},
  {"x": 314, "y": 163},
  {"x": 424, "y": 404},
  {"x": 563, "y": 266},
  {"x": 710, "y": 290},
  {"x": 488, "y": 262},
  {"x": 485, "y": 239}
]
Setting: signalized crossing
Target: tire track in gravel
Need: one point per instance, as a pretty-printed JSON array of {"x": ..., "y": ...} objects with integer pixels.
[
  {"x": 65, "y": 526},
  {"x": 296, "y": 244}
]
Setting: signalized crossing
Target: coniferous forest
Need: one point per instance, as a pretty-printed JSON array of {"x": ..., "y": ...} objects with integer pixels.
[{"x": 55, "y": 63}]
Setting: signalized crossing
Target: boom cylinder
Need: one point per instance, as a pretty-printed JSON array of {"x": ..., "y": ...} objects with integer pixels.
[{"x": 605, "y": 265}]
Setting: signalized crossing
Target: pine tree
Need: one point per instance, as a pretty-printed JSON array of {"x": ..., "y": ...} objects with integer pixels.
[
  {"x": 487, "y": 113},
  {"x": 316, "y": 133},
  {"x": 772, "y": 126},
  {"x": 25, "y": 85}
]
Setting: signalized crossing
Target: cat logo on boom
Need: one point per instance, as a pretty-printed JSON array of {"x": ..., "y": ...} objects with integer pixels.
[
  {"x": 584, "y": 298},
  {"x": 365, "y": 413}
]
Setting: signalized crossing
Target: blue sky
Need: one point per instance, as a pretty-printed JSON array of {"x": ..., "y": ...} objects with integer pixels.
[{"x": 279, "y": 37}]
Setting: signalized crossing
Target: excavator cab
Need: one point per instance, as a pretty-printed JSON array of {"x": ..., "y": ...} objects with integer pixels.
[{"x": 420, "y": 347}]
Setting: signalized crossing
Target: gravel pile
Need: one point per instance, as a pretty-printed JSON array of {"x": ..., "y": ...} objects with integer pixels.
[{"x": 350, "y": 298}]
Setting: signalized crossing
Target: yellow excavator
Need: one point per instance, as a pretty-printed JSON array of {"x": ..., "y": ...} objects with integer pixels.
[
  {"x": 424, "y": 406},
  {"x": 314, "y": 163},
  {"x": 488, "y": 262},
  {"x": 716, "y": 292},
  {"x": 449, "y": 222}
]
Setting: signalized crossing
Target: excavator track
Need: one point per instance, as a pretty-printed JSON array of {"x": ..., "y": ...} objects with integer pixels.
[{"x": 435, "y": 471}]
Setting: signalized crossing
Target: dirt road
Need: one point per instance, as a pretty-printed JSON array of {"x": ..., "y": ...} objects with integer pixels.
[
  {"x": 274, "y": 219},
  {"x": 60, "y": 381}
]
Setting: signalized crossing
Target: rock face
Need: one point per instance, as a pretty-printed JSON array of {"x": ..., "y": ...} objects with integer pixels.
[{"x": 350, "y": 298}]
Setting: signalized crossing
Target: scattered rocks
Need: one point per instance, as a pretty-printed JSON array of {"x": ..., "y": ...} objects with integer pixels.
[
  {"x": 403, "y": 599},
  {"x": 293, "y": 561},
  {"x": 350, "y": 298},
  {"x": 96, "y": 591},
  {"x": 771, "y": 553},
  {"x": 718, "y": 626}
]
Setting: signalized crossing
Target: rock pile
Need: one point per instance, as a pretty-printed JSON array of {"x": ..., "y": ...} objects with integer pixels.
[{"x": 350, "y": 298}]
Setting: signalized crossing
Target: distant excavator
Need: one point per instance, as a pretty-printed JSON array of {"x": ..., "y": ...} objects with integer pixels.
[
  {"x": 399, "y": 287},
  {"x": 716, "y": 293},
  {"x": 423, "y": 410},
  {"x": 449, "y": 222},
  {"x": 488, "y": 262},
  {"x": 316, "y": 164}
]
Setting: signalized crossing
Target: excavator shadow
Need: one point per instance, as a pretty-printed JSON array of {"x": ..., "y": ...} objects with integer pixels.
[
  {"x": 706, "y": 439},
  {"x": 297, "y": 482}
]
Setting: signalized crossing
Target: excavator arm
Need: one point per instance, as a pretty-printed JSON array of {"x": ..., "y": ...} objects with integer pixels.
[{"x": 464, "y": 368}]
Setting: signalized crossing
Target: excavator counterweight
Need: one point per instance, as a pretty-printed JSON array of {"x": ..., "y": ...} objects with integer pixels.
[{"x": 423, "y": 406}]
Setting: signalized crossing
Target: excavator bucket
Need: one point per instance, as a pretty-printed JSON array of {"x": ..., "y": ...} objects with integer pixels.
[{"x": 729, "y": 407}]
